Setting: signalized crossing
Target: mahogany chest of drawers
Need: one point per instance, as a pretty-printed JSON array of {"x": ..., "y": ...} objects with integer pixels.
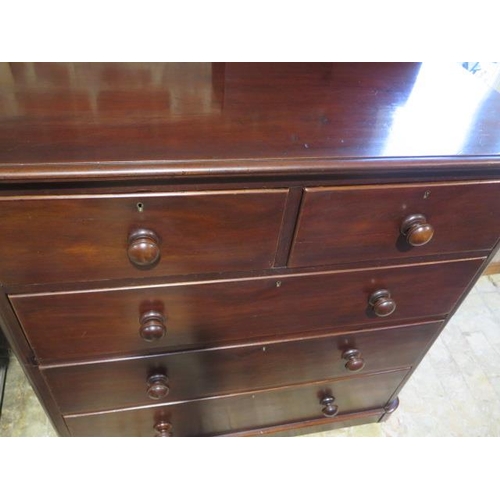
[{"x": 238, "y": 249}]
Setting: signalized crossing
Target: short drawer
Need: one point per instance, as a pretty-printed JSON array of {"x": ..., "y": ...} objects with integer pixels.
[
  {"x": 356, "y": 224},
  {"x": 80, "y": 238},
  {"x": 242, "y": 412},
  {"x": 83, "y": 325},
  {"x": 197, "y": 374}
]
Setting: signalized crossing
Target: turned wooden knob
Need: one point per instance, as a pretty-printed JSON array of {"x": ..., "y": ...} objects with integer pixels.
[
  {"x": 152, "y": 326},
  {"x": 355, "y": 362},
  {"x": 382, "y": 303},
  {"x": 417, "y": 230},
  {"x": 143, "y": 248},
  {"x": 329, "y": 409},
  {"x": 163, "y": 429},
  {"x": 158, "y": 387}
]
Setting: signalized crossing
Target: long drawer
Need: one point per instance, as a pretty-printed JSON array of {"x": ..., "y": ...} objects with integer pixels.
[
  {"x": 356, "y": 224},
  {"x": 227, "y": 414},
  {"x": 197, "y": 374},
  {"x": 51, "y": 239},
  {"x": 82, "y": 325}
]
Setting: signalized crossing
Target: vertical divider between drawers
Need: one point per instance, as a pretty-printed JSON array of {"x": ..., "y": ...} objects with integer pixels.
[{"x": 289, "y": 222}]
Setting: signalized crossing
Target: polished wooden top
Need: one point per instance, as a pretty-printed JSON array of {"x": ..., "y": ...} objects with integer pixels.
[{"x": 60, "y": 119}]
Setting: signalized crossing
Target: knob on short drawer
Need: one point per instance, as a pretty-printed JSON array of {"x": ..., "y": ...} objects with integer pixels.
[
  {"x": 163, "y": 429},
  {"x": 382, "y": 303},
  {"x": 143, "y": 248},
  {"x": 152, "y": 326},
  {"x": 417, "y": 230},
  {"x": 158, "y": 387},
  {"x": 355, "y": 362},
  {"x": 329, "y": 409}
]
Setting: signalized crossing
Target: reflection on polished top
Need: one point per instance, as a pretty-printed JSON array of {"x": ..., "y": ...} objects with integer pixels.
[{"x": 194, "y": 112}]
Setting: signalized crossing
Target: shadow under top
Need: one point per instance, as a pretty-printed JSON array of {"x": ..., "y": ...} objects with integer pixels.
[{"x": 144, "y": 120}]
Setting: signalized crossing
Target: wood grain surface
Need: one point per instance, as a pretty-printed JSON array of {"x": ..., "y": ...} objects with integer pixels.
[
  {"x": 61, "y": 239},
  {"x": 65, "y": 326},
  {"x": 191, "y": 375},
  {"x": 354, "y": 224},
  {"x": 66, "y": 120},
  {"x": 222, "y": 415}
]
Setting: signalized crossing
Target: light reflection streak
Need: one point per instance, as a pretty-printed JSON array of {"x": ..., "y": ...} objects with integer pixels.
[{"x": 439, "y": 113}]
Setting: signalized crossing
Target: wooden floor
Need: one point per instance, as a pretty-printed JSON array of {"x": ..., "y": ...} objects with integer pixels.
[{"x": 454, "y": 392}]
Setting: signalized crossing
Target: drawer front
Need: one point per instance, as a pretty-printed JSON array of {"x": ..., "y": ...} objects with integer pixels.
[
  {"x": 191, "y": 375},
  {"x": 63, "y": 326},
  {"x": 339, "y": 225},
  {"x": 64, "y": 239},
  {"x": 242, "y": 412}
]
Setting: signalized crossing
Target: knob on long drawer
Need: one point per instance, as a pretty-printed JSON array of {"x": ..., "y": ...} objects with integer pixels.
[
  {"x": 355, "y": 362},
  {"x": 163, "y": 429},
  {"x": 152, "y": 326},
  {"x": 329, "y": 409},
  {"x": 417, "y": 230},
  {"x": 382, "y": 303},
  {"x": 143, "y": 248},
  {"x": 158, "y": 387}
]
